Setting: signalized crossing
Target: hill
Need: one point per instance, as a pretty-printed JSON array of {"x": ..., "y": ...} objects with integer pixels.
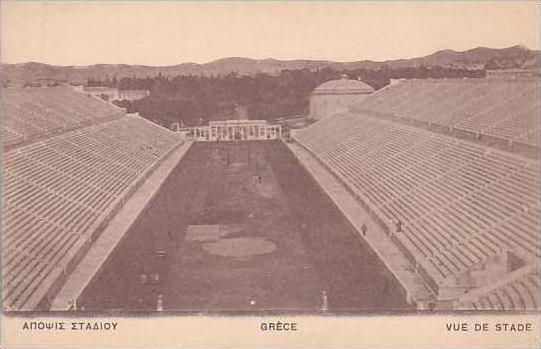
[{"x": 515, "y": 57}]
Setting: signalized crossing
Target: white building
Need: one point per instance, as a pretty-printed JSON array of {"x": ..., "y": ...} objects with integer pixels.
[
  {"x": 112, "y": 94},
  {"x": 231, "y": 130},
  {"x": 334, "y": 96},
  {"x": 512, "y": 73},
  {"x": 132, "y": 95}
]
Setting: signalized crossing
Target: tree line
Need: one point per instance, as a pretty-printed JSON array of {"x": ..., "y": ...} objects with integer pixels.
[{"x": 192, "y": 100}]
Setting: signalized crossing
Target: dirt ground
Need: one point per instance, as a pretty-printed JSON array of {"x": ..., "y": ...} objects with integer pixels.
[{"x": 263, "y": 238}]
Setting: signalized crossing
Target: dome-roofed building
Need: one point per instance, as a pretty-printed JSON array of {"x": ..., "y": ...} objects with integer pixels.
[{"x": 334, "y": 96}]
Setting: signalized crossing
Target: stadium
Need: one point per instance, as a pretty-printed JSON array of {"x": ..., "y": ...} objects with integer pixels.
[{"x": 422, "y": 195}]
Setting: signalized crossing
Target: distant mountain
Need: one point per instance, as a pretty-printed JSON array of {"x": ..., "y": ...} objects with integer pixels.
[{"x": 515, "y": 57}]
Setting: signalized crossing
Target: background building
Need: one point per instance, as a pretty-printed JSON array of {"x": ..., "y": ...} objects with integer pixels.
[
  {"x": 513, "y": 73},
  {"x": 230, "y": 130},
  {"x": 132, "y": 95},
  {"x": 334, "y": 96}
]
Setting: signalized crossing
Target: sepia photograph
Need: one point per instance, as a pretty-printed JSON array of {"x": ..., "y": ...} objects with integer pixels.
[{"x": 284, "y": 163}]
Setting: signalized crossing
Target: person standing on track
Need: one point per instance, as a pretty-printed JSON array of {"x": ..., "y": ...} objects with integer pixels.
[{"x": 364, "y": 229}]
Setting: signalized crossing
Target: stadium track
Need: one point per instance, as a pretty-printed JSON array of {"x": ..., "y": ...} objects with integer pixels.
[{"x": 217, "y": 183}]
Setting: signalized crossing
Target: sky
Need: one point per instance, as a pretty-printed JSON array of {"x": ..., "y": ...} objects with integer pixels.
[{"x": 173, "y": 32}]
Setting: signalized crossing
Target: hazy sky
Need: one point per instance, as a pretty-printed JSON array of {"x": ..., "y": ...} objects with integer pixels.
[{"x": 167, "y": 33}]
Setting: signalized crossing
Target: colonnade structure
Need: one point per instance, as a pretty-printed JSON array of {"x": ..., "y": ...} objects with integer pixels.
[{"x": 235, "y": 130}]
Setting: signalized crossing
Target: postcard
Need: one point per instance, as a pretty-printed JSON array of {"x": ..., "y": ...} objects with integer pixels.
[{"x": 270, "y": 173}]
